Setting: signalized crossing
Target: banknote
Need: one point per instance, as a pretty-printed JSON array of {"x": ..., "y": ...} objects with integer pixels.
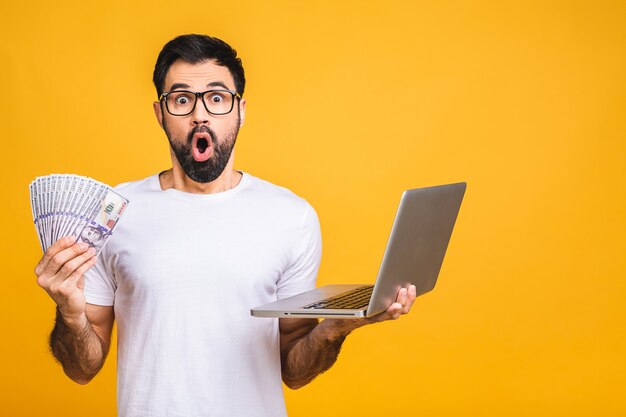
[
  {"x": 105, "y": 216},
  {"x": 73, "y": 205}
]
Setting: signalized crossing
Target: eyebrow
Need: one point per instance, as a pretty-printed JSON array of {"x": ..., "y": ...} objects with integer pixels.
[
  {"x": 177, "y": 86},
  {"x": 217, "y": 84}
]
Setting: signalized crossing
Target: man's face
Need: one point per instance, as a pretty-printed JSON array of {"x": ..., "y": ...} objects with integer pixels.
[
  {"x": 201, "y": 143},
  {"x": 91, "y": 235}
]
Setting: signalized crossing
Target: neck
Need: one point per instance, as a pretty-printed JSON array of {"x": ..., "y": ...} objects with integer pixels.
[{"x": 175, "y": 178}]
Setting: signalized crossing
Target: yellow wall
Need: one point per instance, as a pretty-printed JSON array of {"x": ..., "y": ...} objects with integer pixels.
[{"x": 349, "y": 103}]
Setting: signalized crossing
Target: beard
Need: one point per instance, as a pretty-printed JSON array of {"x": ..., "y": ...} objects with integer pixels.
[{"x": 212, "y": 168}]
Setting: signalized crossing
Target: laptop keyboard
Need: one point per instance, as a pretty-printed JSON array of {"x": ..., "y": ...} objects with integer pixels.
[{"x": 355, "y": 299}]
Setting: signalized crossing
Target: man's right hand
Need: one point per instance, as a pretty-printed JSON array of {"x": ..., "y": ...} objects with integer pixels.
[{"x": 60, "y": 272}]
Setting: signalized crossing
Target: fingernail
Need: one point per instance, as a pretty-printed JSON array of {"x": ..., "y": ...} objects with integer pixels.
[
  {"x": 91, "y": 251},
  {"x": 82, "y": 245}
]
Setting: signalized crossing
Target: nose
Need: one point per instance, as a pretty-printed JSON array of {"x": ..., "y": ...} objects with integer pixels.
[{"x": 200, "y": 115}]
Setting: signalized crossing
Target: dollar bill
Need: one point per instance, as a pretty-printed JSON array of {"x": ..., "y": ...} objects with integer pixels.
[
  {"x": 101, "y": 224},
  {"x": 73, "y": 205}
]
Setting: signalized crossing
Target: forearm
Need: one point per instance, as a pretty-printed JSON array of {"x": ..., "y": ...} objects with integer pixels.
[
  {"x": 77, "y": 347},
  {"x": 314, "y": 353}
]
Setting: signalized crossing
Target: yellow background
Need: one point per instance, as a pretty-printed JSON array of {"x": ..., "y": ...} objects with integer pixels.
[{"x": 349, "y": 103}]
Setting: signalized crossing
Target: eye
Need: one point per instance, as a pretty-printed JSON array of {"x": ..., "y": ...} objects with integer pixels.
[
  {"x": 181, "y": 98},
  {"x": 216, "y": 98}
]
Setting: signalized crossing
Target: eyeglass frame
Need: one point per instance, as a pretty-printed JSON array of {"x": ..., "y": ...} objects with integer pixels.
[{"x": 234, "y": 94}]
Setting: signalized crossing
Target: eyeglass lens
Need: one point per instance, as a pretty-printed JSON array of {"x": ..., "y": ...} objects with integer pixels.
[{"x": 182, "y": 102}]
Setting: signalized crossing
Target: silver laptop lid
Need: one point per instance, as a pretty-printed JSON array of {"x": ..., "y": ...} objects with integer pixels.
[{"x": 418, "y": 242}]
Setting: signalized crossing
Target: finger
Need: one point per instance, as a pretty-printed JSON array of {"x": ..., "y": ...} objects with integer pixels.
[
  {"x": 59, "y": 245},
  {"x": 411, "y": 296},
  {"x": 401, "y": 298},
  {"x": 81, "y": 281},
  {"x": 74, "y": 278},
  {"x": 64, "y": 256},
  {"x": 73, "y": 264},
  {"x": 382, "y": 316},
  {"x": 394, "y": 311},
  {"x": 67, "y": 269},
  {"x": 68, "y": 289}
]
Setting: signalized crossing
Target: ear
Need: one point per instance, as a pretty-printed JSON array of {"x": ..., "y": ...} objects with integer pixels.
[
  {"x": 158, "y": 112},
  {"x": 242, "y": 111}
]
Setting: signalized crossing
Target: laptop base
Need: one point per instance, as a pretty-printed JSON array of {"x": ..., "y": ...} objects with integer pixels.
[{"x": 293, "y": 307}]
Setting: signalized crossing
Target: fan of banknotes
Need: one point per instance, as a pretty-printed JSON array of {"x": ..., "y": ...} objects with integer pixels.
[{"x": 71, "y": 205}]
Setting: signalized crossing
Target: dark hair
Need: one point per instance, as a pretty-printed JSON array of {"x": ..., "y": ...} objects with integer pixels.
[{"x": 195, "y": 49}]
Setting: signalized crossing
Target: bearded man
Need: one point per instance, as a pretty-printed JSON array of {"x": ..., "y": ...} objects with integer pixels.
[{"x": 200, "y": 244}]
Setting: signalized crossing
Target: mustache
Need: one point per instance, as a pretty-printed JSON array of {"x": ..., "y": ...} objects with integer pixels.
[{"x": 201, "y": 129}]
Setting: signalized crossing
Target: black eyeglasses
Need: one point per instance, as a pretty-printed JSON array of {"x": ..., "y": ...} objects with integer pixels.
[{"x": 216, "y": 102}]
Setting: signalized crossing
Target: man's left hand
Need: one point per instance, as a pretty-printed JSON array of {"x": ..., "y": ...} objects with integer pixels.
[
  {"x": 341, "y": 327},
  {"x": 309, "y": 348},
  {"x": 404, "y": 302}
]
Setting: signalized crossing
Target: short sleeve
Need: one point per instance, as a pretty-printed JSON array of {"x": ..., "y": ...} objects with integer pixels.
[
  {"x": 301, "y": 274},
  {"x": 100, "y": 284}
]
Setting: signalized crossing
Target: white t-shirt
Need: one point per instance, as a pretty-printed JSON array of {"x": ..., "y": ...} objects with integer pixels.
[{"x": 182, "y": 272}]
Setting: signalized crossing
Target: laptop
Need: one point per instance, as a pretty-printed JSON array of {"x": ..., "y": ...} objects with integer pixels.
[{"x": 414, "y": 254}]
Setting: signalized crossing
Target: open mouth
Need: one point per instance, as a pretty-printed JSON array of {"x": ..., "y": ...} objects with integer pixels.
[
  {"x": 202, "y": 144},
  {"x": 201, "y": 147}
]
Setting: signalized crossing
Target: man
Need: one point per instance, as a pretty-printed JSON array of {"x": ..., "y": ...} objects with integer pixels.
[{"x": 199, "y": 245}]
